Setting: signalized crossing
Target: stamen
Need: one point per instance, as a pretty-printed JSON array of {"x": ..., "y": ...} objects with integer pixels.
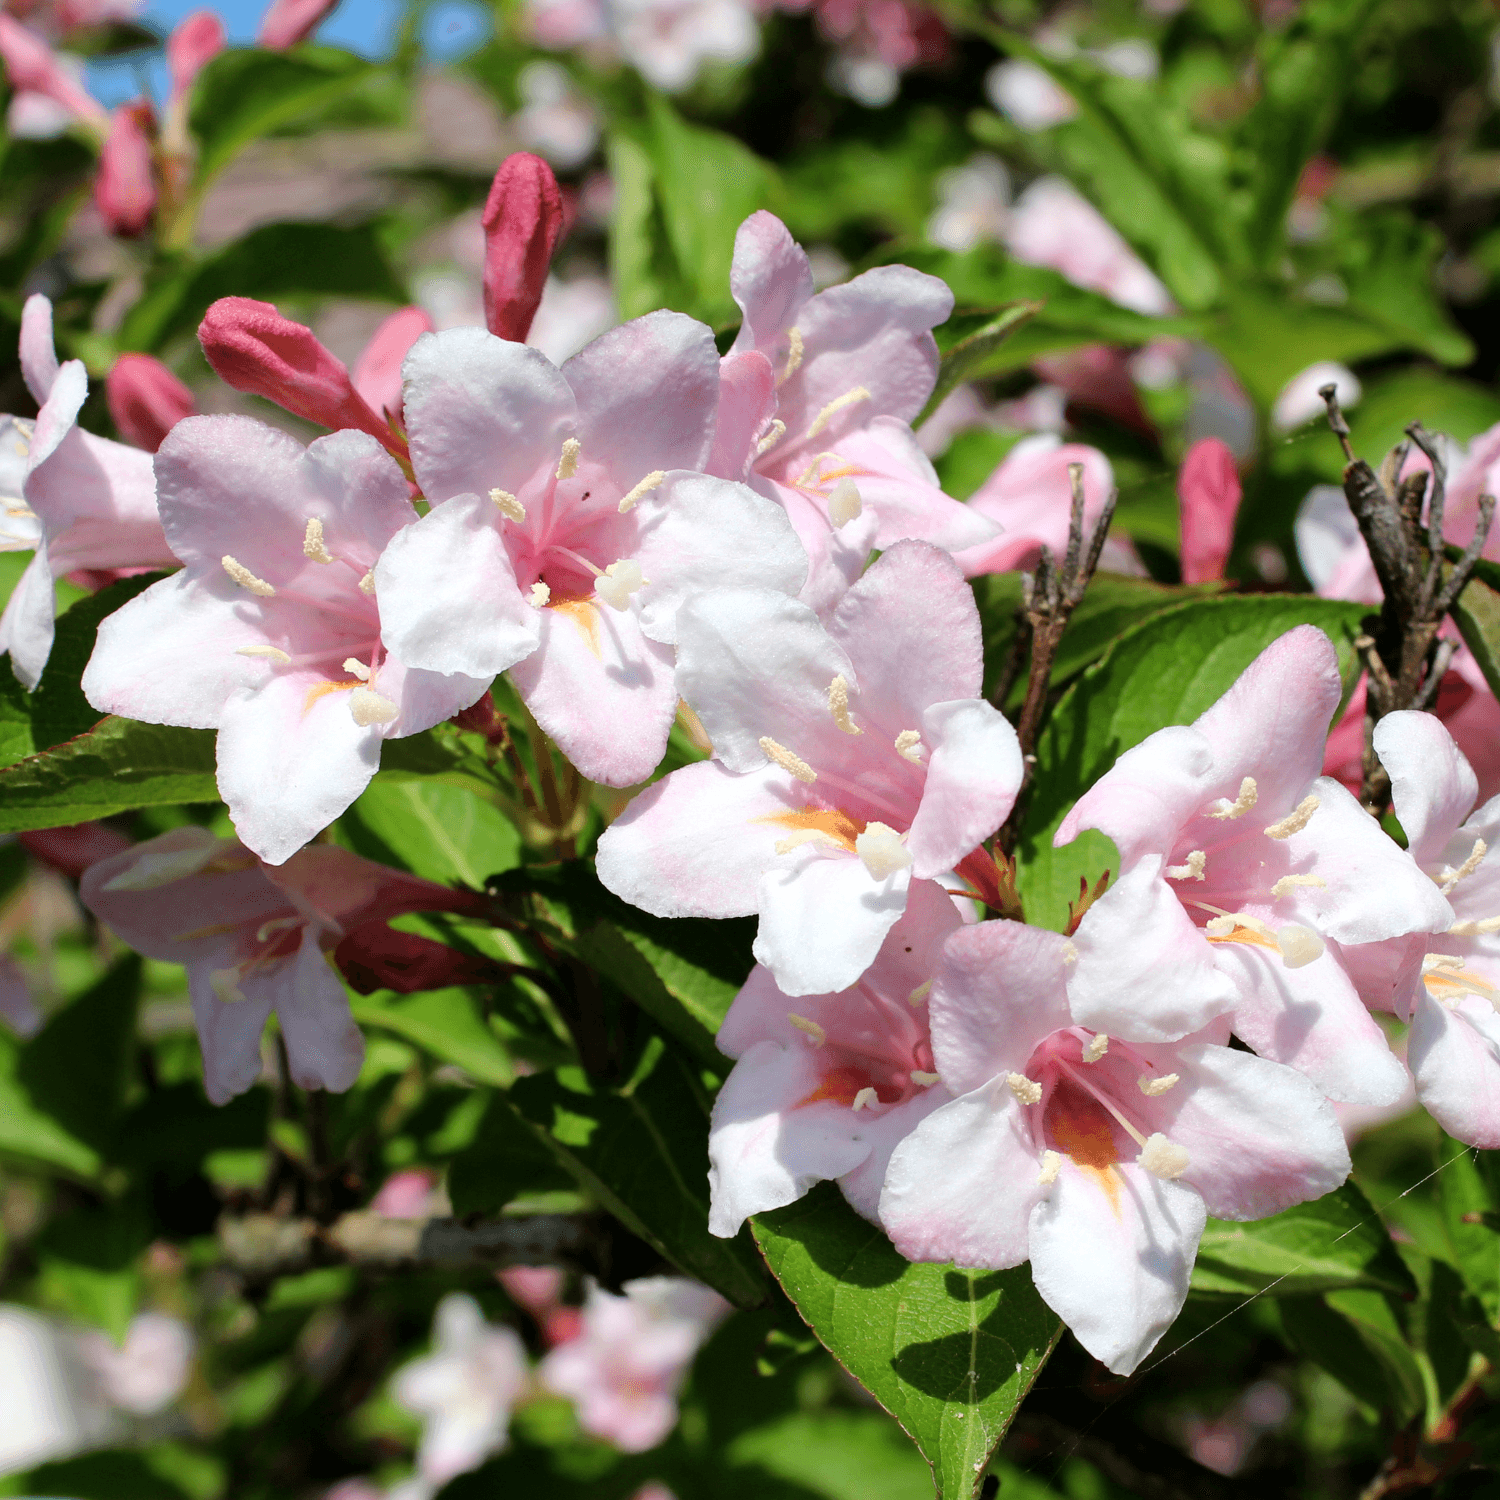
[
  {"x": 567, "y": 463},
  {"x": 619, "y": 581},
  {"x": 816, "y": 1032},
  {"x": 152, "y": 871},
  {"x": 919, "y": 994},
  {"x": 1241, "y": 804},
  {"x": 838, "y": 706},
  {"x": 1096, "y": 1048},
  {"x": 909, "y": 746},
  {"x": 1027, "y": 1090},
  {"x": 245, "y": 578},
  {"x": 1295, "y": 821},
  {"x": 276, "y": 924},
  {"x": 1445, "y": 979},
  {"x": 367, "y": 584},
  {"x": 312, "y": 543},
  {"x": 368, "y": 708},
  {"x": 834, "y": 407},
  {"x": 1475, "y": 929},
  {"x": 1051, "y": 1165},
  {"x": 881, "y": 850},
  {"x": 356, "y": 669},
  {"x": 1154, "y": 1088},
  {"x": 1289, "y": 883},
  {"x": 794, "y": 764},
  {"x": 1197, "y": 862},
  {"x": 864, "y": 1098},
  {"x": 1467, "y": 868},
  {"x": 643, "y": 489},
  {"x": 539, "y": 595},
  {"x": 271, "y": 653},
  {"x": 793, "y": 355},
  {"x": 508, "y": 505},
  {"x": 806, "y": 836},
  {"x": 774, "y": 434},
  {"x": 1069, "y": 951},
  {"x": 225, "y": 984},
  {"x": 1163, "y": 1158},
  {"x": 844, "y": 503},
  {"x": 1299, "y": 946},
  {"x": 925, "y": 1080}
]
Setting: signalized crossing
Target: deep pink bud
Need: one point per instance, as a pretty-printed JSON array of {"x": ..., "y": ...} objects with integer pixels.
[
  {"x": 287, "y": 22},
  {"x": 146, "y": 400},
  {"x": 253, "y": 348},
  {"x": 73, "y": 849},
  {"x": 125, "y": 189},
  {"x": 197, "y": 39},
  {"x": 378, "y": 957},
  {"x": 523, "y": 221},
  {"x": 1208, "y": 491},
  {"x": 33, "y": 66},
  {"x": 377, "y": 372}
]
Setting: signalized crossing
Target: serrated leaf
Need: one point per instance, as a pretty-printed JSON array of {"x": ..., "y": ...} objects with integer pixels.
[{"x": 950, "y": 1354}]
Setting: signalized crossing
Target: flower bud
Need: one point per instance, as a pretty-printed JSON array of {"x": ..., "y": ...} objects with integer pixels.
[
  {"x": 523, "y": 221},
  {"x": 33, "y": 67},
  {"x": 377, "y": 372},
  {"x": 146, "y": 400},
  {"x": 288, "y": 22},
  {"x": 125, "y": 189},
  {"x": 195, "y": 42},
  {"x": 1208, "y": 491}
]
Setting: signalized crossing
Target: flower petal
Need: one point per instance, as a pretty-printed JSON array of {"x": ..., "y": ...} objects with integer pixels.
[
  {"x": 324, "y": 1047},
  {"x": 1454, "y": 1056},
  {"x": 747, "y": 406},
  {"x": 770, "y": 279},
  {"x": 1433, "y": 787}
]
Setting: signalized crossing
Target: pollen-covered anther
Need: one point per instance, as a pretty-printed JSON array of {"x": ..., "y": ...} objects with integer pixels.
[
  {"x": 644, "y": 488},
  {"x": 909, "y": 746},
  {"x": 793, "y": 355},
  {"x": 1163, "y": 1158},
  {"x": 245, "y": 578},
  {"x": 1051, "y": 1166},
  {"x": 813, "y": 1030},
  {"x": 792, "y": 764},
  {"x": 773, "y": 435},
  {"x": 1197, "y": 863},
  {"x": 864, "y": 1098},
  {"x": 275, "y": 925},
  {"x": 539, "y": 596},
  {"x": 1241, "y": 804},
  {"x": 368, "y": 707},
  {"x": 920, "y": 994},
  {"x": 1097, "y": 1046},
  {"x": 806, "y": 836},
  {"x": 567, "y": 463},
  {"x": 313, "y": 546},
  {"x": 367, "y": 584},
  {"x": 1295, "y": 821},
  {"x": 1467, "y": 868},
  {"x": 1475, "y": 929},
  {"x": 838, "y": 706},
  {"x": 356, "y": 668},
  {"x": 271, "y": 653},
  {"x": 1154, "y": 1088},
  {"x": 508, "y": 505},
  {"x": 844, "y": 502},
  {"x": 1027, "y": 1090},
  {"x": 924, "y": 1080},
  {"x": 619, "y": 581},
  {"x": 1299, "y": 945},
  {"x": 225, "y": 984},
  {"x": 881, "y": 850},
  {"x": 1289, "y": 883},
  {"x": 834, "y": 407}
]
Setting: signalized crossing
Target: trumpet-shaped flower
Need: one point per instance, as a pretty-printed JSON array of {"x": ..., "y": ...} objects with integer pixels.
[
  {"x": 271, "y": 632},
  {"x": 566, "y": 528},
  {"x": 849, "y": 761},
  {"x": 1096, "y": 1159},
  {"x": 825, "y": 1086},
  {"x": 1242, "y": 872},
  {"x": 146, "y": 400}
]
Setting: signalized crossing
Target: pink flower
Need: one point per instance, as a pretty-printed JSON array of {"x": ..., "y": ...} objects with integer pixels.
[
  {"x": 271, "y": 632},
  {"x": 94, "y": 501},
  {"x": 17, "y": 1009},
  {"x": 71, "y": 850},
  {"x": 1299, "y": 402},
  {"x": 464, "y": 1390},
  {"x": 146, "y": 400},
  {"x": 625, "y": 1368},
  {"x": 849, "y": 762},
  {"x": 668, "y": 41},
  {"x": 148, "y": 1371},
  {"x": 33, "y": 68},
  {"x": 536, "y": 1288},
  {"x": 826, "y": 1086},
  {"x": 523, "y": 221},
  {"x": 825, "y": 430},
  {"x": 1242, "y": 874},
  {"x": 1208, "y": 492},
  {"x": 125, "y": 189},
  {"x": 253, "y": 938},
  {"x": 1098, "y": 377},
  {"x": 377, "y": 371},
  {"x": 1097, "y": 1160},
  {"x": 286, "y": 23},
  {"x": 194, "y": 43},
  {"x": 404, "y": 1195},
  {"x": 566, "y": 528}
]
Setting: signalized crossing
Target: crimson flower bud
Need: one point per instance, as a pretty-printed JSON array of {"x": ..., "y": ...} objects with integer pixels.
[
  {"x": 523, "y": 221},
  {"x": 146, "y": 400},
  {"x": 125, "y": 189},
  {"x": 1208, "y": 491}
]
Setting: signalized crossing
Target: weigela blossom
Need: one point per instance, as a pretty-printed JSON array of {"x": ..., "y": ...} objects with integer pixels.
[
  {"x": 1208, "y": 497},
  {"x": 850, "y": 367},
  {"x": 255, "y": 938},
  {"x": 1096, "y": 1159},
  {"x": 849, "y": 761},
  {"x": 1242, "y": 872},
  {"x": 523, "y": 221},
  {"x": 825, "y": 1086},
  {"x": 271, "y": 633},
  {"x": 148, "y": 1370},
  {"x": 567, "y": 527},
  {"x": 464, "y": 1390},
  {"x": 624, "y": 1369},
  {"x": 146, "y": 400},
  {"x": 125, "y": 189}
]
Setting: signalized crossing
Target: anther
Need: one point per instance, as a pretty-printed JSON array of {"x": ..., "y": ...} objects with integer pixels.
[
  {"x": 271, "y": 653},
  {"x": 1475, "y": 929},
  {"x": 834, "y": 407},
  {"x": 1096, "y": 1048},
  {"x": 793, "y": 355},
  {"x": 920, "y": 994},
  {"x": 1295, "y": 821},
  {"x": 508, "y": 505},
  {"x": 245, "y": 578},
  {"x": 793, "y": 764},
  {"x": 1289, "y": 883},
  {"x": 643, "y": 489},
  {"x": 1027, "y": 1090},
  {"x": 1154, "y": 1088},
  {"x": 1467, "y": 868},
  {"x": 356, "y": 668},
  {"x": 367, "y": 584},
  {"x": 225, "y": 984},
  {"x": 368, "y": 707},
  {"x": 1051, "y": 1165},
  {"x": 774, "y": 434},
  {"x": 275, "y": 925},
  {"x": 909, "y": 746},
  {"x": 806, "y": 836},
  {"x": 838, "y": 706},
  {"x": 925, "y": 1080},
  {"x": 1299, "y": 945},
  {"x": 816, "y": 1032},
  {"x": 881, "y": 850},
  {"x": 539, "y": 595},
  {"x": 864, "y": 1098},
  {"x": 619, "y": 581},
  {"x": 844, "y": 502},
  {"x": 313, "y": 546},
  {"x": 567, "y": 463},
  {"x": 1197, "y": 862},
  {"x": 1241, "y": 804},
  {"x": 1163, "y": 1158}
]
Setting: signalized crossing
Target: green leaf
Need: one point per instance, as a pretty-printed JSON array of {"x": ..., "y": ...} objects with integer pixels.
[
  {"x": 89, "y": 1265},
  {"x": 639, "y": 1150},
  {"x": 15, "y": 717},
  {"x": 1358, "y": 1339},
  {"x": 835, "y": 1455},
  {"x": 1476, "y": 612},
  {"x": 962, "y": 360},
  {"x": 506, "y": 1160},
  {"x": 440, "y": 832},
  {"x": 1335, "y": 1243},
  {"x": 950, "y": 1354},
  {"x": 447, "y": 1023},
  {"x": 1469, "y": 1193}
]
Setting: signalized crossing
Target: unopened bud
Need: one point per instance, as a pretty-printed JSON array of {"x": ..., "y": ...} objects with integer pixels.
[
  {"x": 146, "y": 400},
  {"x": 523, "y": 221},
  {"x": 288, "y": 22},
  {"x": 125, "y": 189}
]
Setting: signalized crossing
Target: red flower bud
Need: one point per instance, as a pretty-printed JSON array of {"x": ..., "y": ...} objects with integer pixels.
[
  {"x": 523, "y": 221},
  {"x": 146, "y": 400},
  {"x": 1208, "y": 491},
  {"x": 125, "y": 189},
  {"x": 197, "y": 39},
  {"x": 378, "y": 957},
  {"x": 287, "y": 22}
]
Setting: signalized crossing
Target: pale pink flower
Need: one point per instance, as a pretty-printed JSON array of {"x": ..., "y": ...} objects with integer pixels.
[
  {"x": 558, "y": 24},
  {"x": 567, "y": 528},
  {"x": 1096, "y": 1159},
  {"x": 555, "y": 119},
  {"x": 377, "y": 371},
  {"x": 877, "y": 41},
  {"x": 147, "y": 1372},
  {"x": 825, "y": 1086},
  {"x": 1208, "y": 497},
  {"x": 94, "y": 502},
  {"x": 125, "y": 188},
  {"x": 571, "y": 316},
  {"x": 285, "y": 23},
  {"x": 849, "y": 762},
  {"x": 404, "y": 1195},
  {"x": 973, "y": 203},
  {"x": 33, "y": 68},
  {"x": 271, "y": 633},
  {"x": 626, "y": 1366},
  {"x": 464, "y": 1390},
  {"x": 146, "y": 400},
  {"x": 1027, "y": 95},
  {"x": 1299, "y": 402},
  {"x": 52, "y": 1408},
  {"x": 1242, "y": 875},
  {"x": 668, "y": 41}
]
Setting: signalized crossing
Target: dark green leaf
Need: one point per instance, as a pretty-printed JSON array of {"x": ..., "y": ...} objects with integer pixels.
[
  {"x": 1358, "y": 1339},
  {"x": 447, "y": 1023},
  {"x": 440, "y": 832},
  {"x": 1477, "y": 615},
  {"x": 974, "y": 351},
  {"x": 506, "y": 1160},
  {"x": 1469, "y": 1191},
  {"x": 89, "y": 1265}
]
